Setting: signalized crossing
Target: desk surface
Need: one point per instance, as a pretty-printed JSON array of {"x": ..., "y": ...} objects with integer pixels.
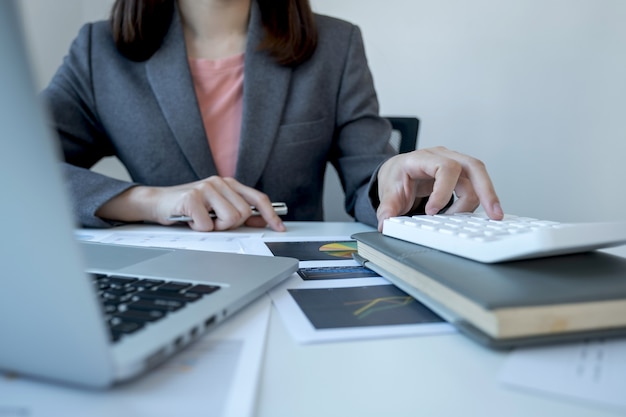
[
  {"x": 442, "y": 375},
  {"x": 439, "y": 375}
]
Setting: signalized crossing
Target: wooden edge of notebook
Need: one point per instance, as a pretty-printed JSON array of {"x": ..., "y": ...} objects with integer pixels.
[
  {"x": 515, "y": 342},
  {"x": 467, "y": 329}
]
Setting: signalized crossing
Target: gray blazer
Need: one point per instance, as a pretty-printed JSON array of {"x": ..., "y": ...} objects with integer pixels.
[{"x": 294, "y": 120}]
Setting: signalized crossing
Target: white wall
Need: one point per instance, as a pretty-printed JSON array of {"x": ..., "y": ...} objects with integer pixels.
[
  {"x": 535, "y": 88},
  {"x": 51, "y": 26}
]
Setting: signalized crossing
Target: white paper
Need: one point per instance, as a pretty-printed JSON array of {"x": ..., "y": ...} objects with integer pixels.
[
  {"x": 164, "y": 238},
  {"x": 215, "y": 376},
  {"x": 301, "y": 327},
  {"x": 303, "y": 331},
  {"x": 591, "y": 371}
]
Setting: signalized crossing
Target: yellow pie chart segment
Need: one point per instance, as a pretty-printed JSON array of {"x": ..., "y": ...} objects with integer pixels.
[{"x": 339, "y": 249}]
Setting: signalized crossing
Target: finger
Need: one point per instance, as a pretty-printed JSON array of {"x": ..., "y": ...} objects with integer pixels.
[
  {"x": 256, "y": 221},
  {"x": 472, "y": 169},
  {"x": 391, "y": 208},
  {"x": 488, "y": 198},
  {"x": 427, "y": 172},
  {"x": 466, "y": 198},
  {"x": 262, "y": 204},
  {"x": 401, "y": 203},
  {"x": 477, "y": 174},
  {"x": 402, "y": 181},
  {"x": 446, "y": 175},
  {"x": 208, "y": 195},
  {"x": 438, "y": 172},
  {"x": 259, "y": 221},
  {"x": 194, "y": 206},
  {"x": 230, "y": 207}
]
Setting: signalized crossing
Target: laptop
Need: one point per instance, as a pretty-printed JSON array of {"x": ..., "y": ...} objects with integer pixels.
[{"x": 69, "y": 310}]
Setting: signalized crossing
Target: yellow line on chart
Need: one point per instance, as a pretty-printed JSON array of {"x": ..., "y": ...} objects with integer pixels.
[{"x": 373, "y": 305}]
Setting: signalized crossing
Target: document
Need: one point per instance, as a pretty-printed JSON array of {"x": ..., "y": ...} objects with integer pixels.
[
  {"x": 171, "y": 237},
  {"x": 593, "y": 371},
  {"x": 334, "y": 298},
  {"x": 215, "y": 376}
]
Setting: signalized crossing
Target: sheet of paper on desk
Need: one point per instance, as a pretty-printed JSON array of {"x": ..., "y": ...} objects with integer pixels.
[
  {"x": 349, "y": 309},
  {"x": 314, "y": 251},
  {"x": 216, "y": 376},
  {"x": 353, "y": 306},
  {"x": 593, "y": 371},
  {"x": 163, "y": 237}
]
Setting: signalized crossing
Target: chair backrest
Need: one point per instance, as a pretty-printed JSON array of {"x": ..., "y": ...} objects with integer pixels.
[
  {"x": 404, "y": 133},
  {"x": 403, "y": 139}
]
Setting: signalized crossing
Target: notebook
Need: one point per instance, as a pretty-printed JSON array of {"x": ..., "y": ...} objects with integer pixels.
[
  {"x": 55, "y": 323},
  {"x": 513, "y": 304}
]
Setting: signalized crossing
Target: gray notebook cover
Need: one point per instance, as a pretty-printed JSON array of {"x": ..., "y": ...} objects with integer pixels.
[{"x": 591, "y": 276}]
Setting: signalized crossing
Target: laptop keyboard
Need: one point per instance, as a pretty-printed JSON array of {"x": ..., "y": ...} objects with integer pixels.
[{"x": 129, "y": 304}]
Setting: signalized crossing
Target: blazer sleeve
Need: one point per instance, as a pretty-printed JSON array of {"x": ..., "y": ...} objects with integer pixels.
[
  {"x": 363, "y": 136},
  {"x": 74, "y": 116}
]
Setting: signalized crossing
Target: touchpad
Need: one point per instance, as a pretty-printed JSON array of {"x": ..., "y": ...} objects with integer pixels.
[{"x": 105, "y": 257}]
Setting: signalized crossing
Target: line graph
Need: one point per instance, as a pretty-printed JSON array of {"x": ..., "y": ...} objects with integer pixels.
[
  {"x": 373, "y": 305},
  {"x": 379, "y": 304}
]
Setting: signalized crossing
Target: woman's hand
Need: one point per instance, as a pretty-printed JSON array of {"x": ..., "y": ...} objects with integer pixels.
[
  {"x": 226, "y": 197},
  {"x": 436, "y": 173}
]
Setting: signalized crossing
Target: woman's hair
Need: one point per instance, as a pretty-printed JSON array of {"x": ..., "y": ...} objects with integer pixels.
[{"x": 139, "y": 27}]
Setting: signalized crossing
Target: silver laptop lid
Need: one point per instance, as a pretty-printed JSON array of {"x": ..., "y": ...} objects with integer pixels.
[
  {"x": 51, "y": 320},
  {"x": 38, "y": 250}
]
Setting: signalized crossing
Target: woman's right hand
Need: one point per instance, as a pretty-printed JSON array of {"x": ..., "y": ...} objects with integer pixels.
[{"x": 226, "y": 197}]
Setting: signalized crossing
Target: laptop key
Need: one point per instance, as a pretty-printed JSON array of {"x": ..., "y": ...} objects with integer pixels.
[
  {"x": 122, "y": 327},
  {"x": 109, "y": 307},
  {"x": 129, "y": 303},
  {"x": 121, "y": 291},
  {"x": 120, "y": 281},
  {"x": 203, "y": 289},
  {"x": 182, "y": 297},
  {"x": 156, "y": 304},
  {"x": 144, "y": 284},
  {"x": 174, "y": 286},
  {"x": 140, "y": 316},
  {"x": 112, "y": 298}
]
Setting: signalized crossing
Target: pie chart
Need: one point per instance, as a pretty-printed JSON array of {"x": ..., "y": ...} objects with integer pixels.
[{"x": 339, "y": 249}]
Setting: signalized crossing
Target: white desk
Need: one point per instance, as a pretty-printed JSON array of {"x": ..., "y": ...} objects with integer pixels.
[
  {"x": 443, "y": 375},
  {"x": 440, "y": 375}
]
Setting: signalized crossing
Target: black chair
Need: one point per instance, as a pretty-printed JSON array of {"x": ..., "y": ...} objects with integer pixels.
[
  {"x": 403, "y": 139},
  {"x": 404, "y": 133}
]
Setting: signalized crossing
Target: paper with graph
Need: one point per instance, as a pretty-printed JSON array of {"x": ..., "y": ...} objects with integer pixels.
[{"x": 334, "y": 298}]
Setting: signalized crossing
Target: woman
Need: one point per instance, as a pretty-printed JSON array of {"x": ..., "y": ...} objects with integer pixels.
[{"x": 223, "y": 104}]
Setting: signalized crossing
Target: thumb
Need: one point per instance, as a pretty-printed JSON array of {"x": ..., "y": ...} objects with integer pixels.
[{"x": 386, "y": 209}]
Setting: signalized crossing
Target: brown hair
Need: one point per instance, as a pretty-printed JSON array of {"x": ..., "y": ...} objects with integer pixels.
[{"x": 139, "y": 27}]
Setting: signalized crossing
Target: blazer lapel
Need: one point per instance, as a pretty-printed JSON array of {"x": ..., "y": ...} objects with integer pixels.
[
  {"x": 265, "y": 91},
  {"x": 170, "y": 78}
]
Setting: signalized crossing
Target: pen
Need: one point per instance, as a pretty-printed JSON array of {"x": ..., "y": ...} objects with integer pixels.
[{"x": 279, "y": 208}]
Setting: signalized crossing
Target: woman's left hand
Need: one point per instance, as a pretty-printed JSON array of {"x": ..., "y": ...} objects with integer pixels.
[{"x": 436, "y": 173}]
